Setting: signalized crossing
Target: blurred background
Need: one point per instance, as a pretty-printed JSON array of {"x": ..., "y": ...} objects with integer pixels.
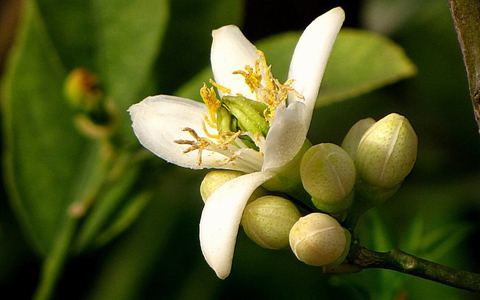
[{"x": 141, "y": 240}]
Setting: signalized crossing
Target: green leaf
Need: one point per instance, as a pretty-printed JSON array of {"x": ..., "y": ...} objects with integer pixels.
[
  {"x": 415, "y": 234},
  {"x": 360, "y": 62},
  {"x": 72, "y": 31},
  {"x": 113, "y": 195},
  {"x": 188, "y": 39},
  {"x": 129, "y": 36},
  {"x": 439, "y": 242},
  {"x": 125, "y": 217},
  {"x": 43, "y": 149}
]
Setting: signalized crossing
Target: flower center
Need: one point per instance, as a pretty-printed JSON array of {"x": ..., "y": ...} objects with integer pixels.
[{"x": 238, "y": 122}]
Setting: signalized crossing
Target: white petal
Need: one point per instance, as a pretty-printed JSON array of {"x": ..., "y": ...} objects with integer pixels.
[
  {"x": 221, "y": 219},
  {"x": 158, "y": 121},
  {"x": 311, "y": 55},
  {"x": 286, "y": 136},
  {"x": 231, "y": 51}
]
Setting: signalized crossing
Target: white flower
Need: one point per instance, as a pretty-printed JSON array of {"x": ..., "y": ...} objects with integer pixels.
[{"x": 184, "y": 132}]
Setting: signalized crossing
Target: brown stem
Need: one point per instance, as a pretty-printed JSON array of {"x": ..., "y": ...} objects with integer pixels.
[
  {"x": 466, "y": 17},
  {"x": 400, "y": 261}
]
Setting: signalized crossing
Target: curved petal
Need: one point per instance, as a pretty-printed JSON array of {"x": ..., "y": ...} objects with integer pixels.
[
  {"x": 231, "y": 51},
  {"x": 158, "y": 121},
  {"x": 286, "y": 135},
  {"x": 221, "y": 219},
  {"x": 311, "y": 55}
]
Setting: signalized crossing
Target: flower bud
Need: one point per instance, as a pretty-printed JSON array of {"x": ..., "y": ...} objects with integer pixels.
[
  {"x": 328, "y": 175},
  {"x": 319, "y": 240},
  {"x": 96, "y": 115},
  {"x": 216, "y": 178},
  {"x": 267, "y": 221},
  {"x": 249, "y": 113},
  {"x": 82, "y": 89},
  {"x": 354, "y": 135},
  {"x": 387, "y": 152}
]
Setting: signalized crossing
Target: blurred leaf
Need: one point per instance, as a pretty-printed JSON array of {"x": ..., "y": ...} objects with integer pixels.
[
  {"x": 126, "y": 270},
  {"x": 388, "y": 16},
  {"x": 441, "y": 241},
  {"x": 43, "y": 149},
  {"x": 186, "y": 47},
  {"x": 191, "y": 89},
  {"x": 125, "y": 217},
  {"x": 129, "y": 36},
  {"x": 72, "y": 31},
  {"x": 415, "y": 235},
  {"x": 107, "y": 200},
  {"x": 360, "y": 62},
  {"x": 388, "y": 283}
]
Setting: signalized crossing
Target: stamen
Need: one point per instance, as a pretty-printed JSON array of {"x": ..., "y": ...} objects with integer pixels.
[
  {"x": 209, "y": 122},
  {"x": 252, "y": 78},
  {"x": 221, "y": 88},
  {"x": 211, "y": 101},
  {"x": 213, "y": 136}
]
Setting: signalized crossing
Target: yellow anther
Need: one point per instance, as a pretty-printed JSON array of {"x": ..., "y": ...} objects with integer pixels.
[
  {"x": 252, "y": 78},
  {"x": 211, "y": 101},
  {"x": 221, "y": 88},
  {"x": 209, "y": 122},
  {"x": 213, "y": 136}
]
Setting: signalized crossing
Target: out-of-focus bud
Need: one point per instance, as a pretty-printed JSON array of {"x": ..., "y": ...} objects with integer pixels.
[
  {"x": 95, "y": 115},
  {"x": 387, "y": 152},
  {"x": 82, "y": 89},
  {"x": 267, "y": 221},
  {"x": 328, "y": 175},
  {"x": 214, "y": 179},
  {"x": 319, "y": 240},
  {"x": 354, "y": 135}
]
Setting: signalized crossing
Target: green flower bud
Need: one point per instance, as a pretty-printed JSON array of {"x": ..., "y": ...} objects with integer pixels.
[
  {"x": 328, "y": 175},
  {"x": 249, "y": 114},
  {"x": 288, "y": 179},
  {"x": 319, "y": 240},
  {"x": 354, "y": 135},
  {"x": 387, "y": 152},
  {"x": 267, "y": 221},
  {"x": 216, "y": 178}
]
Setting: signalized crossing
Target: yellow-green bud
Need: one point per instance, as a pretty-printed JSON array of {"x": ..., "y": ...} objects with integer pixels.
[
  {"x": 354, "y": 135},
  {"x": 328, "y": 175},
  {"x": 319, "y": 240},
  {"x": 288, "y": 179},
  {"x": 214, "y": 179},
  {"x": 267, "y": 221},
  {"x": 387, "y": 152},
  {"x": 82, "y": 90}
]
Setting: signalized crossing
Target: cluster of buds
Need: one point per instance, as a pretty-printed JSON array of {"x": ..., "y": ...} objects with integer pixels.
[{"x": 343, "y": 183}]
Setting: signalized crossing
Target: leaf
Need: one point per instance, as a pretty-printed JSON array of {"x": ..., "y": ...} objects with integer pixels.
[
  {"x": 124, "y": 218},
  {"x": 128, "y": 268},
  {"x": 107, "y": 203},
  {"x": 187, "y": 43},
  {"x": 43, "y": 149},
  {"x": 72, "y": 31},
  {"x": 360, "y": 62},
  {"x": 415, "y": 234},
  {"x": 129, "y": 35},
  {"x": 439, "y": 242}
]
